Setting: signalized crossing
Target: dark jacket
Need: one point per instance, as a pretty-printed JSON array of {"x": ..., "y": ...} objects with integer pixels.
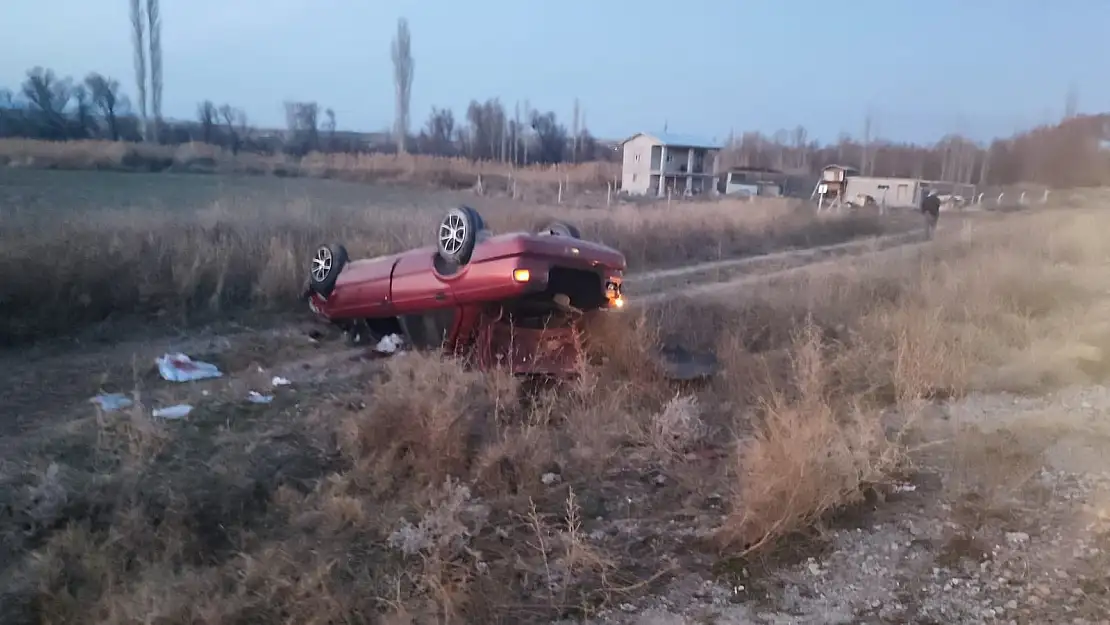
[{"x": 930, "y": 204}]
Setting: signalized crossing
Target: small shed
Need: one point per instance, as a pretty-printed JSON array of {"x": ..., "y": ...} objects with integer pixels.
[
  {"x": 762, "y": 181},
  {"x": 884, "y": 191},
  {"x": 834, "y": 179}
]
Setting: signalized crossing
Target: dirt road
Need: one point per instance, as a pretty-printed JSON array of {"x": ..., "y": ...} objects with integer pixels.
[{"x": 49, "y": 383}]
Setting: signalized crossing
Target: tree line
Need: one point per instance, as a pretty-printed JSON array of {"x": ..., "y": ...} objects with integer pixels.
[
  {"x": 1073, "y": 152},
  {"x": 46, "y": 106},
  {"x": 50, "y": 107}
]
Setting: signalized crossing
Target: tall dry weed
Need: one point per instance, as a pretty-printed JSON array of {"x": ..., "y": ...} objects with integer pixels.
[
  {"x": 182, "y": 265},
  {"x": 808, "y": 455},
  {"x": 429, "y": 419}
]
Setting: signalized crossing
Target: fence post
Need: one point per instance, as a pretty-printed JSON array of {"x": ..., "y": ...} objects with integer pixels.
[
  {"x": 979, "y": 200},
  {"x": 1000, "y": 196},
  {"x": 560, "y": 191},
  {"x": 1044, "y": 200},
  {"x": 1021, "y": 200},
  {"x": 608, "y": 193}
]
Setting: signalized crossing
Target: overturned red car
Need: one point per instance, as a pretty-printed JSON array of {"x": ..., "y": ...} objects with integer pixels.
[{"x": 515, "y": 300}]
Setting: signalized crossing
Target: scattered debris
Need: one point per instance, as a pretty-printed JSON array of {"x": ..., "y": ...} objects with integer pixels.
[
  {"x": 178, "y": 411},
  {"x": 255, "y": 397},
  {"x": 280, "y": 381},
  {"x": 550, "y": 478},
  {"x": 110, "y": 402},
  {"x": 180, "y": 368},
  {"x": 389, "y": 344}
]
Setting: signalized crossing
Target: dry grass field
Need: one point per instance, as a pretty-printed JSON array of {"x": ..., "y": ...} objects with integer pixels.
[
  {"x": 414, "y": 490},
  {"x": 80, "y": 247},
  {"x": 204, "y": 158}
]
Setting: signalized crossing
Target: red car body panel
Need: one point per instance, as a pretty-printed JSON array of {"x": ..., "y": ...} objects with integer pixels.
[{"x": 417, "y": 283}]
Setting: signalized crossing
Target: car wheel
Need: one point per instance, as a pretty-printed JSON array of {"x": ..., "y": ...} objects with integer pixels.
[
  {"x": 561, "y": 229},
  {"x": 327, "y": 262},
  {"x": 458, "y": 234}
]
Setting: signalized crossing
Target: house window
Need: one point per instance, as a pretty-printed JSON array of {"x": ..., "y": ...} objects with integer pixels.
[
  {"x": 634, "y": 175},
  {"x": 636, "y": 158},
  {"x": 670, "y": 157}
]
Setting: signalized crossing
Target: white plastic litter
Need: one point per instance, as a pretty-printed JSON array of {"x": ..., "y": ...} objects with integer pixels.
[
  {"x": 255, "y": 397},
  {"x": 280, "y": 381},
  {"x": 180, "y": 368},
  {"x": 389, "y": 344},
  {"x": 179, "y": 411},
  {"x": 110, "y": 402}
]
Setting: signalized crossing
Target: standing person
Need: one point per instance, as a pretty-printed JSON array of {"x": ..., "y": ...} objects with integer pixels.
[{"x": 930, "y": 207}]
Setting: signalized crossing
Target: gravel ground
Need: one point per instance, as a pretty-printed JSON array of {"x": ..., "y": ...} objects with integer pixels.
[{"x": 1008, "y": 522}]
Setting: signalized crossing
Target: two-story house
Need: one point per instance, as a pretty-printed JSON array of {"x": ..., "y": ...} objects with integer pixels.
[{"x": 656, "y": 163}]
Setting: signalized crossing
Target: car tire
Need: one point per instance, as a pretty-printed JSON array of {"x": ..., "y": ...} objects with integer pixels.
[
  {"x": 327, "y": 262},
  {"x": 458, "y": 234},
  {"x": 560, "y": 229}
]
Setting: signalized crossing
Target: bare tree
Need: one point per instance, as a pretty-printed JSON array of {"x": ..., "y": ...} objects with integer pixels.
[
  {"x": 329, "y": 127},
  {"x": 574, "y": 130},
  {"x": 516, "y": 133},
  {"x": 438, "y": 132},
  {"x": 985, "y": 166},
  {"x": 86, "y": 124},
  {"x": 206, "y": 115},
  {"x": 49, "y": 96},
  {"x": 551, "y": 137},
  {"x": 779, "y": 141},
  {"x": 1071, "y": 101},
  {"x": 105, "y": 96},
  {"x": 800, "y": 152},
  {"x": 235, "y": 122},
  {"x": 867, "y": 160},
  {"x": 154, "y": 36},
  {"x": 487, "y": 127},
  {"x": 402, "y": 82},
  {"x": 6, "y": 102},
  {"x": 527, "y": 127},
  {"x": 137, "y": 40},
  {"x": 302, "y": 120}
]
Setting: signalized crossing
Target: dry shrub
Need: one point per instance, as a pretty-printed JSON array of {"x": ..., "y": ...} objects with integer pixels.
[
  {"x": 565, "y": 553},
  {"x": 1005, "y": 307},
  {"x": 808, "y": 455},
  {"x": 429, "y": 419},
  {"x": 676, "y": 427},
  {"x": 440, "y": 546}
]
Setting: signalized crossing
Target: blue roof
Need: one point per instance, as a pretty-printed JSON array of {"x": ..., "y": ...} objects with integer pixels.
[{"x": 685, "y": 141}]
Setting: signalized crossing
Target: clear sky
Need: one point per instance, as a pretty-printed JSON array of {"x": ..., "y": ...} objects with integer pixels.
[{"x": 925, "y": 67}]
